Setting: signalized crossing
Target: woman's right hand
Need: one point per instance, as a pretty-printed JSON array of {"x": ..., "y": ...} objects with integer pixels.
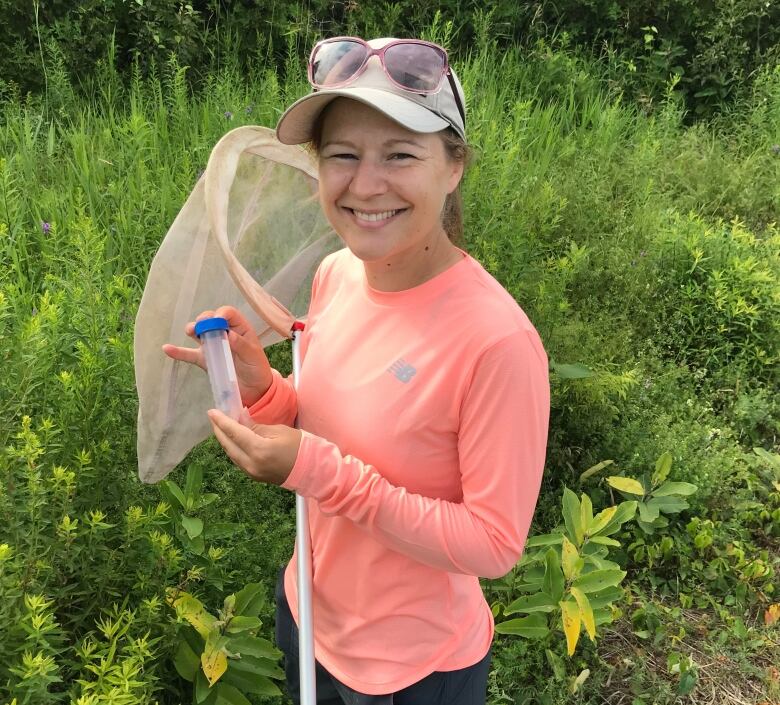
[{"x": 252, "y": 368}]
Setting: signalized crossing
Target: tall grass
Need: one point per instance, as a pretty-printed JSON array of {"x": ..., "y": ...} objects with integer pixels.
[{"x": 611, "y": 227}]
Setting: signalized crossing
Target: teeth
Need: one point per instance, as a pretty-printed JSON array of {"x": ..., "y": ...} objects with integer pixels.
[{"x": 373, "y": 217}]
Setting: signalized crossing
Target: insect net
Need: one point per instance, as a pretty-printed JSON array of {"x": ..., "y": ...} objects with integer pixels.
[{"x": 251, "y": 235}]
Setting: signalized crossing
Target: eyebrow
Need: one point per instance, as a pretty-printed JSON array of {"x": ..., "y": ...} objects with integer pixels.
[{"x": 387, "y": 143}]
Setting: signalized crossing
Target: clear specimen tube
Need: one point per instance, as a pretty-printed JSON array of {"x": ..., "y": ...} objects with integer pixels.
[{"x": 212, "y": 333}]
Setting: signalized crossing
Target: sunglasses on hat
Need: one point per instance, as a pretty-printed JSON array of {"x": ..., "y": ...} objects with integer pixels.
[{"x": 410, "y": 64}]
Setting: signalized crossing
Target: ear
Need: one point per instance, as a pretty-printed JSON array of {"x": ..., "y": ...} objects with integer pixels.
[{"x": 456, "y": 174}]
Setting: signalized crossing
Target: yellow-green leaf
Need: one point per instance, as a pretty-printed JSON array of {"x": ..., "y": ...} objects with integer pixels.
[
  {"x": 662, "y": 467},
  {"x": 570, "y": 613},
  {"x": 626, "y": 484},
  {"x": 572, "y": 515},
  {"x": 586, "y": 611},
  {"x": 214, "y": 662},
  {"x": 569, "y": 558},
  {"x": 576, "y": 683},
  {"x": 595, "y": 468},
  {"x": 192, "y": 609},
  {"x": 601, "y": 520},
  {"x": 586, "y": 512}
]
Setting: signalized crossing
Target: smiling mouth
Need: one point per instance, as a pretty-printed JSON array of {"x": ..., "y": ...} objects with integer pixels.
[{"x": 375, "y": 217}]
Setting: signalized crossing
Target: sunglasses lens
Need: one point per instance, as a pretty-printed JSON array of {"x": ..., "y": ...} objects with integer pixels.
[
  {"x": 336, "y": 62},
  {"x": 416, "y": 66}
]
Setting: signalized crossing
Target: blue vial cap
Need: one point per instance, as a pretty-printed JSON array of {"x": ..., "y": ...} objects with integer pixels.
[{"x": 208, "y": 324}]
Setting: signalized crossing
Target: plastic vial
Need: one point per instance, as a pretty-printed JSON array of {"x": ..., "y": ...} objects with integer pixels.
[{"x": 212, "y": 332}]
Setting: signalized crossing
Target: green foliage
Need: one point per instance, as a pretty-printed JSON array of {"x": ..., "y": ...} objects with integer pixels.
[
  {"x": 222, "y": 655},
  {"x": 658, "y": 496},
  {"x": 707, "y": 52},
  {"x": 566, "y": 574},
  {"x": 589, "y": 212}
]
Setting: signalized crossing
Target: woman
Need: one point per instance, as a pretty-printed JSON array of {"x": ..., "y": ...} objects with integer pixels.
[{"x": 423, "y": 398}]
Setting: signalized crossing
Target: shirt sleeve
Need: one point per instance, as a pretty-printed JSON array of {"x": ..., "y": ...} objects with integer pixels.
[
  {"x": 502, "y": 442},
  {"x": 279, "y": 404}
]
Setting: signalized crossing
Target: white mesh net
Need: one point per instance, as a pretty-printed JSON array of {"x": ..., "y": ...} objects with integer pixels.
[{"x": 250, "y": 235}]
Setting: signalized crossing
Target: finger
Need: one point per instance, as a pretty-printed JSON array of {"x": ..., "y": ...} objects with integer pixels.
[
  {"x": 189, "y": 329},
  {"x": 190, "y": 355},
  {"x": 234, "y": 451},
  {"x": 240, "y": 435},
  {"x": 237, "y": 320}
]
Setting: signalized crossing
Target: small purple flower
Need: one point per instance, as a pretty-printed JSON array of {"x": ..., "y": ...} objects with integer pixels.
[
  {"x": 249, "y": 109},
  {"x": 776, "y": 148},
  {"x": 46, "y": 227},
  {"x": 228, "y": 115}
]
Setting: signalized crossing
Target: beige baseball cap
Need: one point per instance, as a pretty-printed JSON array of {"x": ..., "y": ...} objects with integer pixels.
[{"x": 415, "y": 111}]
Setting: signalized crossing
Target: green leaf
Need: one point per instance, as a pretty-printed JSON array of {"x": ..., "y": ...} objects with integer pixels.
[
  {"x": 626, "y": 484},
  {"x": 257, "y": 667},
  {"x": 207, "y": 499},
  {"x": 229, "y": 695},
  {"x": 662, "y": 467},
  {"x": 669, "y": 505},
  {"x": 599, "y": 579},
  {"x": 586, "y": 512},
  {"x": 687, "y": 683},
  {"x": 557, "y": 664},
  {"x": 533, "y": 626},
  {"x": 243, "y": 624},
  {"x": 544, "y": 540},
  {"x": 250, "y": 600},
  {"x": 185, "y": 660},
  {"x": 572, "y": 515},
  {"x": 553, "y": 575},
  {"x": 193, "y": 484},
  {"x": 602, "y": 615},
  {"x": 604, "y": 541},
  {"x": 247, "y": 683},
  {"x": 598, "y": 467},
  {"x": 680, "y": 488},
  {"x": 193, "y": 526},
  {"x": 647, "y": 512},
  {"x": 246, "y": 645},
  {"x": 202, "y": 688},
  {"x": 540, "y": 602},
  {"x": 624, "y": 513},
  {"x": 196, "y": 545},
  {"x": 173, "y": 488}
]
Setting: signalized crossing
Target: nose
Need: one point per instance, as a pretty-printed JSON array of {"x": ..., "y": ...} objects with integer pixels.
[{"x": 368, "y": 179}]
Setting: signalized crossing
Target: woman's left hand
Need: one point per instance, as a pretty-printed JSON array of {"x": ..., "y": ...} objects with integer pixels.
[{"x": 265, "y": 453}]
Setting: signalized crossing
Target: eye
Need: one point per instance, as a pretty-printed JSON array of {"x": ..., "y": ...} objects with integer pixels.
[
  {"x": 342, "y": 155},
  {"x": 401, "y": 156}
]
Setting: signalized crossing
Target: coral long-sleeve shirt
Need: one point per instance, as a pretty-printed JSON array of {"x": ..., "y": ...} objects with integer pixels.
[{"x": 425, "y": 417}]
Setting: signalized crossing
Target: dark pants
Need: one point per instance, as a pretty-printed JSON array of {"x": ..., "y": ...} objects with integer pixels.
[{"x": 466, "y": 686}]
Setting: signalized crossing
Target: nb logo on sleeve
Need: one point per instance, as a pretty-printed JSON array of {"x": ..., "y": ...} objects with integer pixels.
[{"x": 402, "y": 370}]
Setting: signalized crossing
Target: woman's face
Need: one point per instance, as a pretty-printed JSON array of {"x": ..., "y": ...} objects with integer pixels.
[{"x": 383, "y": 187}]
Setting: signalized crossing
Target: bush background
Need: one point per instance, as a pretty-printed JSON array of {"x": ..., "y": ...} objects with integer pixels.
[
  {"x": 716, "y": 48},
  {"x": 634, "y": 220}
]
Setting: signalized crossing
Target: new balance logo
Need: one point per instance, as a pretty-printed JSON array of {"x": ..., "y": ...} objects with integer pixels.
[{"x": 402, "y": 370}]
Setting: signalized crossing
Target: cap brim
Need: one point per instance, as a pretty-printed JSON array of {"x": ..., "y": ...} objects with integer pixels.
[{"x": 297, "y": 123}]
